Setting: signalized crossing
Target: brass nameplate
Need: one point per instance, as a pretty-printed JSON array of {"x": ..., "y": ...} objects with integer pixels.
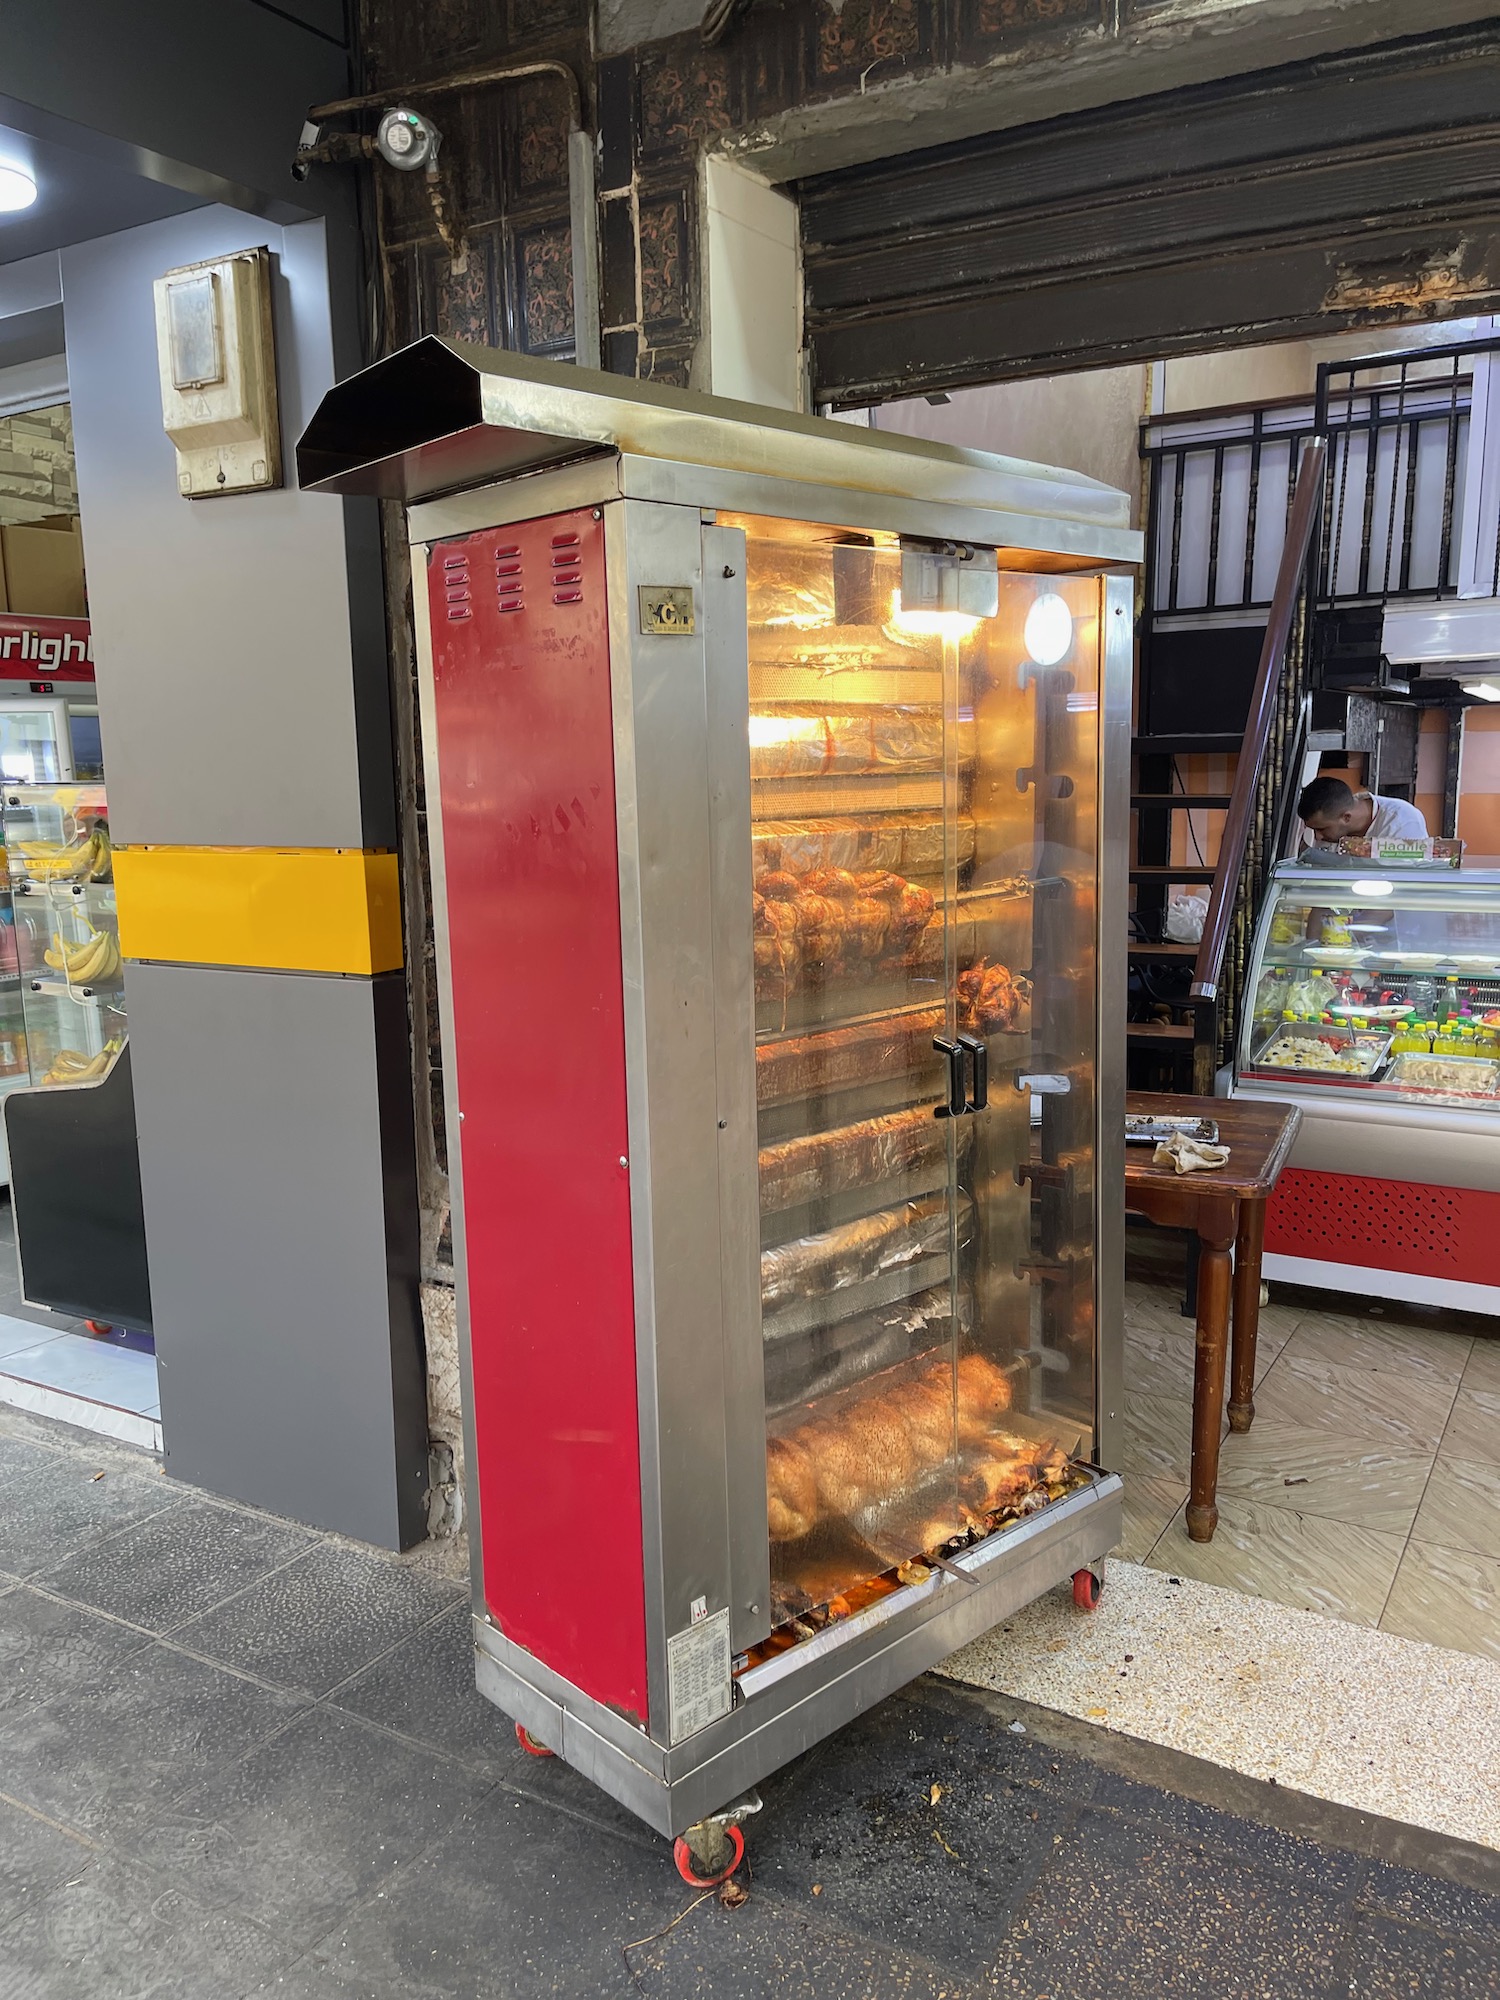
[{"x": 667, "y": 610}]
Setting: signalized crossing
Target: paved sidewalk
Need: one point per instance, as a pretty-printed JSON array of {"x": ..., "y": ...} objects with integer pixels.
[{"x": 240, "y": 1759}]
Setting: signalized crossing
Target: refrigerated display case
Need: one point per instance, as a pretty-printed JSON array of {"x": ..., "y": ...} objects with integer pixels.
[
  {"x": 67, "y": 1108},
  {"x": 71, "y": 983},
  {"x": 777, "y": 780},
  {"x": 36, "y": 742},
  {"x": 1373, "y": 1003}
]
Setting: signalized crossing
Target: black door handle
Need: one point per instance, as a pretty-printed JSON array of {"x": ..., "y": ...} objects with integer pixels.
[
  {"x": 957, "y": 1103},
  {"x": 979, "y": 1094},
  {"x": 964, "y": 1097}
]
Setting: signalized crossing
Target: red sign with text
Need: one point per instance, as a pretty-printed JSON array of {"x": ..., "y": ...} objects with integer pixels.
[{"x": 36, "y": 648}]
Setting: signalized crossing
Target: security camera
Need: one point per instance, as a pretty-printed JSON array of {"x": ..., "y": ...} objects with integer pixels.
[
  {"x": 407, "y": 140},
  {"x": 307, "y": 148}
]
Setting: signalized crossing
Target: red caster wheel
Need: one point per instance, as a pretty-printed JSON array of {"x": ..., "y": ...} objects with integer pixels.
[
  {"x": 99, "y": 1326},
  {"x": 529, "y": 1743},
  {"x": 687, "y": 1865},
  {"x": 1087, "y": 1589}
]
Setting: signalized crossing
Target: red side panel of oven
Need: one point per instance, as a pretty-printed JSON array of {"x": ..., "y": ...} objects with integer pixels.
[
  {"x": 526, "y": 784},
  {"x": 1431, "y": 1232}
]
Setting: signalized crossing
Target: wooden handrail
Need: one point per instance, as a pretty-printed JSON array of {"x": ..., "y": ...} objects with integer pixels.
[{"x": 1307, "y": 508}]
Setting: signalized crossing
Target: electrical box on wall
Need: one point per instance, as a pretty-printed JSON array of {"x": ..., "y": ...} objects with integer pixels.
[{"x": 215, "y": 343}]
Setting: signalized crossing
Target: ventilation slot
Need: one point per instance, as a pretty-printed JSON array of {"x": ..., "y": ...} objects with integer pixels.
[
  {"x": 510, "y": 588},
  {"x": 456, "y": 587},
  {"x": 567, "y": 576},
  {"x": 1348, "y": 1219}
]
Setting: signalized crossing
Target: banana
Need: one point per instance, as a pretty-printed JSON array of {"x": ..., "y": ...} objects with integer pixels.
[
  {"x": 59, "y": 864},
  {"x": 72, "y": 1066},
  {"x": 96, "y": 958}
]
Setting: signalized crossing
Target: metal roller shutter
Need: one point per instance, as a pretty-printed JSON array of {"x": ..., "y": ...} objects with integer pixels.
[{"x": 1324, "y": 195}]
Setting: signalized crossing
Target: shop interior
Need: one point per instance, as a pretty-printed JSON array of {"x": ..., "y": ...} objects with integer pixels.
[
  {"x": 1368, "y": 1487},
  {"x": 63, "y": 1352}
]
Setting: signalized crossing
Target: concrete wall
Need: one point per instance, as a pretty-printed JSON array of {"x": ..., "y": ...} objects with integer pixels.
[
  {"x": 1090, "y": 422},
  {"x": 1478, "y": 781},
  {"x": 752, "y": 258},
  {"x": 226, "y": 621},
  {"x": 244, "y": 703},
  {"x": 1087, "y": 423},
  {"x": 1286, "y": 368}
]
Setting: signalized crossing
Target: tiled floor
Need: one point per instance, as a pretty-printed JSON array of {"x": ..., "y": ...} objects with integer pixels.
[{"x": 1368, "y": 1486}]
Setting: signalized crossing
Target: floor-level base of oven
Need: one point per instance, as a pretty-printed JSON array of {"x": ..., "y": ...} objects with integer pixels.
[{"x": 797, "y": 1698}]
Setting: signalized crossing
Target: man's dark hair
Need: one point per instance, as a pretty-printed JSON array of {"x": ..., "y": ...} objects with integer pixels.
[{"x": 1324, "y": 796}]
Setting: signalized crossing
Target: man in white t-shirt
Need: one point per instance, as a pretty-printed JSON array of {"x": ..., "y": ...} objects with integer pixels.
[{"x": 1332, "y": 812}]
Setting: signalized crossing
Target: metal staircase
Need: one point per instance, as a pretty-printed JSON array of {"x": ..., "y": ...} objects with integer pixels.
[{"x": 1185, "y": 995}]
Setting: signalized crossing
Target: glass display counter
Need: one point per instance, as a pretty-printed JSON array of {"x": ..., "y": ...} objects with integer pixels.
[
  {"x": 65, "y": 1012},
  {"x": 922, "y": 800},
  {"x": 1373, "y": 1003}
]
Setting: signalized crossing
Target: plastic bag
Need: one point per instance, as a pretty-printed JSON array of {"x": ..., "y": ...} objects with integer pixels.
[{"x": 1186, "y": 916}]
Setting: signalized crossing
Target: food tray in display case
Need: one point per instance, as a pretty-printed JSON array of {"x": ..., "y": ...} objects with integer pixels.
[
  {"x": 1303, "y": 1049},
  {"x": 1451, "y": 1076}
]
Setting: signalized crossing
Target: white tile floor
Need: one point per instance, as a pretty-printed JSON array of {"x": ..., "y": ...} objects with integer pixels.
[
  {"x": 1364, "y": 1718},
  {"x": 95, "y": 1385},
  {"x": 1368, "y": 1487}
]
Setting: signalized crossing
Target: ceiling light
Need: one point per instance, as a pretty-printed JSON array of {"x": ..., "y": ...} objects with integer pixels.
[
  {"x": 1484, "y": 690},
  {"x": 1048, "y": 633},
  {"x": 17, "y": 189}
]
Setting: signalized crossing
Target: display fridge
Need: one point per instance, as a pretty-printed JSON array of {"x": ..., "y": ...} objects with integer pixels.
[
  {"x": 776, "y": 781},
  {"x": 1373, "y": 1003},
  {"x": 62, "y": 1009}
]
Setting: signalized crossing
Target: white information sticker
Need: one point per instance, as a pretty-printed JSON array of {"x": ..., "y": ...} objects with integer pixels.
[{"x": 698, "y": 1687}]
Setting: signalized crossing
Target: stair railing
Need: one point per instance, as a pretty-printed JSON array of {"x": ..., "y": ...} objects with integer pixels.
[{"x": 1248, "y": 845}]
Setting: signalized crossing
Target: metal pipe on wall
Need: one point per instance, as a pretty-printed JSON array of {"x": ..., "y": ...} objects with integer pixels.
[{"x": 583, "y": 210}]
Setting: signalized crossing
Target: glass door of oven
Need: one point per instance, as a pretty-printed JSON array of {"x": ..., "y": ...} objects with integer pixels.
[{"x": 924, "y": 885}]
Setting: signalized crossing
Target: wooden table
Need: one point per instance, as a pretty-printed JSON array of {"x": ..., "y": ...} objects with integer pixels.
[{"x": 1226, "y": 1208}]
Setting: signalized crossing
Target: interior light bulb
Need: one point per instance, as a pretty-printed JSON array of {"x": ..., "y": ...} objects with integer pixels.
[
  {"x": 942, "y": 624},
  {"x": 1048, "y": 632},
  {"x": 17, "y": 188}
]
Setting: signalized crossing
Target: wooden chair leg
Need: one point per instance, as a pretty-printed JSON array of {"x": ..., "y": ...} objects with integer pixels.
[
  {"x": 1248, "y": 1245},
  {"x": 1214, "y": 1279}
]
